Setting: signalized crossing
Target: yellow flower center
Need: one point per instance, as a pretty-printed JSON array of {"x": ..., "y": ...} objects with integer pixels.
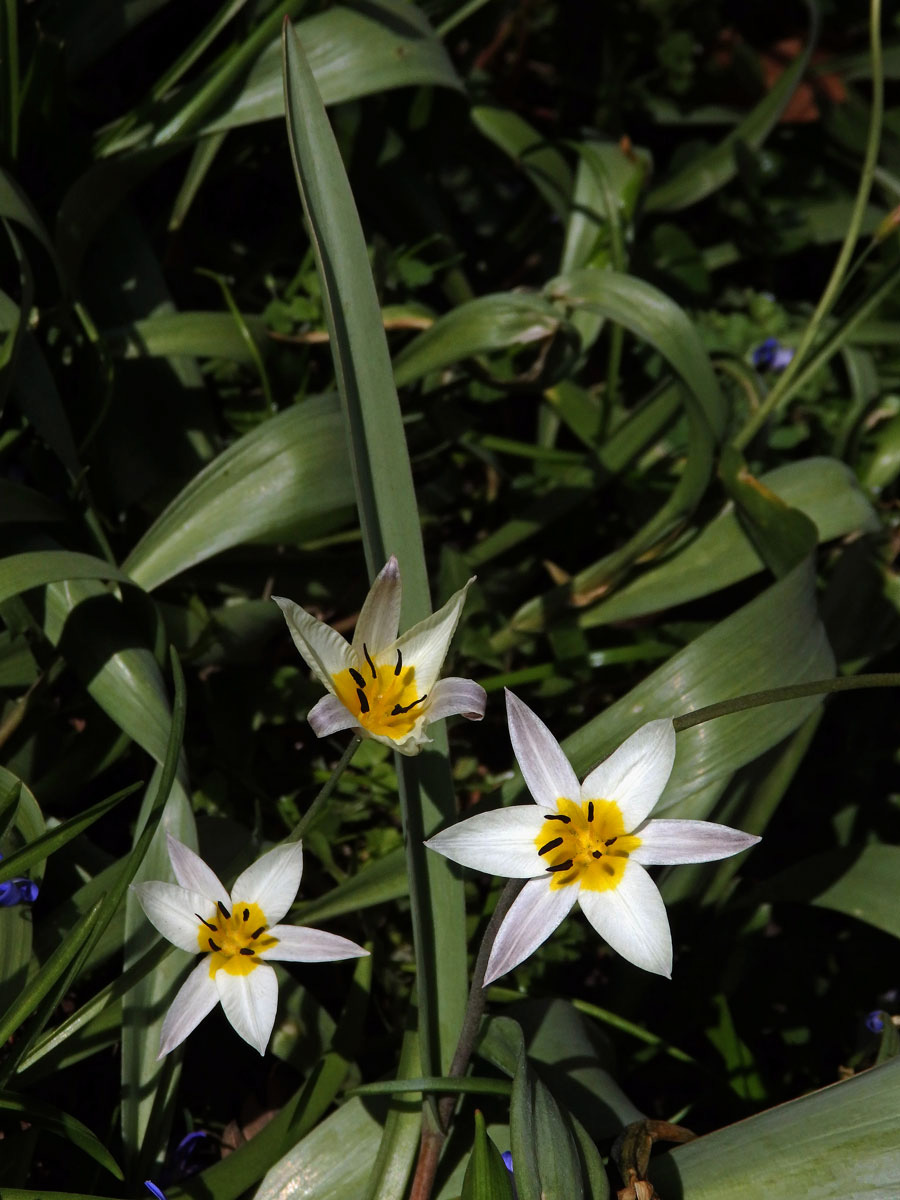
[
  {"x": 234, "y": 939},
  {"x": 381, "y": 696},
  {"x": 585, "y": 843}
]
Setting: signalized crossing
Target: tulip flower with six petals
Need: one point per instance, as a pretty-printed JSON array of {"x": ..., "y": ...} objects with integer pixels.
[
  {"x": 380, "y": 685},
  {"x": 588, "y": 842},
  {"x": 238, "y": 935}
]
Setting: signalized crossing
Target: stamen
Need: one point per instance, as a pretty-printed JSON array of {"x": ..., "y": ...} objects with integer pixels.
[
  {"x": 610, "y": 841},
  {"x": 258, "y": 932},
  {"x": 558, "y": 817},
  {"x": 223, "y": 910},
  {"x": 550, "y": 846},
  {"x": 590, "y": 811},
  {"x": 208, "y": 924},
  {"x": 246, "y": 950},
  {"x": 213, "y": 946},
  {"x": 246, "y": 914},
  {"x": 357, "y": 678},
  {"x": 363, "y": 702},
  {"x": 369, "y": 661},
  {"x": 405, "y": 708},
  {"x": 563, "y": 866},
  {"x": 597, "y": 853},
  {"x": 399, "y": 666}
]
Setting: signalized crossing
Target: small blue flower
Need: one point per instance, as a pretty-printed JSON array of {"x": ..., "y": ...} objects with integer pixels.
[
  {"x": 875, "y": 1021},
  {"x": 17, "y": 891},
  {"x": 507, "y": 1162},
  {"x": 184, "y": 1153},
  {"x": 154, "y": 1190},
  {"x": 770, "y": 355}
]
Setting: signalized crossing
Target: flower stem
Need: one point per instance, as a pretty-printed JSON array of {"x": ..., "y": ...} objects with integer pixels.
[
  {"x": 794, "y": 691},
  {"x": 433, "y": 1138},
  {"x": 312, "y": 812}
]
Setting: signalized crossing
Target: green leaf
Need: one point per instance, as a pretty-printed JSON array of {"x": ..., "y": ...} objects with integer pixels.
[
  {"x": 541, "y": 162},
  {"x": 444, "y": 1084},
  {"x": 486, "y": 1175},
  {"x": 861, "y": 882},
  {"x": 284, "y": 480},
  {"x": 376, "y": 883},
  {"x": 196, "y": 334},
  {"x": 54, "y": 1120},
  {"x": 20, "y": 572},
  {"x": 545, "y": 1158},
  {"x": 840, "y": 1143}
]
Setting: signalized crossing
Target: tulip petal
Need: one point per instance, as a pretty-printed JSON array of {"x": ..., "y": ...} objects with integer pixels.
[
  {"x": 379, "y": 619},
  {"x": 548, "y": 773},
  {"x": 322, "y": 648},
  {"x": 174, "y": 911},
  {"x": 193, "y": 873},
  {"x": 454, "y": 695},
  {"x": 196, "y": 997},
  {"x": 535, "y": 913},
  {"x": 250, "y": 1002},
  {"x": 632, "y": 919},
  {"x": 425, "y": 646},
  {"x": 272, "y": 881},
  {"x": 296, "y": 944},
  {"x": 670, "y": 842},
  {"x": 329, "y": 715},
  {"x": 501, "y": 842},
  {"x": 635, "y": 775}
]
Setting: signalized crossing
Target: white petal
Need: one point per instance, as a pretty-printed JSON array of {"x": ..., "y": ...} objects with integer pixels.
[
  {"x": 548, "y": 773},
  {"x": 196, "y": 997},
  {"x": 413, "y": 742},
  {"x": 193, "y": 873},
  {"x": 272, "y": 881},
  {"x": 329, "y": 715},
  {"x": 174, "y": 911},
  {"x": 453, "y": 695},
  {"x": 632, "y": 919},
  {"x": 535, "y": 913},
  {"x": 634, "y": 775},
  {"x": 250, "y": 1002},
  {"x": 379, "y": 619},
  {"x": 322, "y": 648},
  {"x": 296, "y": 944},
  {"x": 425, "y": 646},
  {"x": 501, "y": 842},
  {"x": 688, "y": 842}
]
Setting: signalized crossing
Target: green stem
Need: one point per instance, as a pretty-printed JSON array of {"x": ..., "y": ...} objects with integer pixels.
[
  {"x": 312, "y": 812},
  {"x": 784, "y": 386},
  {"x": 794, "y": 691}
]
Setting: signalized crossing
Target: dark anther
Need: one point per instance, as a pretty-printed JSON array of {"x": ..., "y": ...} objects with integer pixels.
[
  {"x": 357, "y": 678},
  {"x": 610, "y": 841},
  {"x": 223, "y": 910},
  {"x": 369, "y": 661},
  {"x": 261, "y": 929},
  {"x": 558, "y": 817},
  {"x": 212, "y": 945},
  {"x": 363, "y": 702},
  {"x": 399, "y": 666},
  {"x": 550, "y": 846},
  {"x": 405, "y": 708},
  {"x": 565, "y": 866},
  {"x": 246, "y": 914},
  {"x": 247, "y": 950},
  {"x": 208, "y": 924},
  {"x": 590, "y": 811},
  {"x": 597, "y": 853},
  {"x": 610, "y": 870}
]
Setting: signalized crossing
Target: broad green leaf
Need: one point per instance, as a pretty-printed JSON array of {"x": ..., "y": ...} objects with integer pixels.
[
  {"x": 545, "y": 1158},
  {"x": 19, "y": 503},
  {"x": 390, "y": 523},
  {"x": 35, "y": 568},
  {"x": 486, "y": 1175},
  {"x": 15, "y": 206},
  {"x": 710, "y": 171},
  {"x": 861, "y": 882},
  {"x": 377, "y": 883},
  {"x": 352, "y": 52},
  {"x": 283, "y": 480},
  {"x": 388, "y": 1178},
  {"x": 541, "y": 162},
  {"x": 63, "y": 1124},
  {"x": 782, "y": 536},
  {"x": 196, "y": 334},
  {"x": 840, "y": 1143},
  {"x": 825, "y": 490}
]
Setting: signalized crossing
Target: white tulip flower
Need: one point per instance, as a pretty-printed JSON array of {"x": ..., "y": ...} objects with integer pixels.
[
  {"x": 238, "y": 935},
  {"x": 380, "y": 685},
  {"x": 588, "y": 842}
]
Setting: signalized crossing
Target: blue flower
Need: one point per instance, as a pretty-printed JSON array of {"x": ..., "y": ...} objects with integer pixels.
[
  {"x": 770, "y": 355},
  {"x": 507, "y": 1162},
  {"x": 154, "y": 1190},
  {"x": 17, "y": 891},
  {"x": 875, "y": 1021}
]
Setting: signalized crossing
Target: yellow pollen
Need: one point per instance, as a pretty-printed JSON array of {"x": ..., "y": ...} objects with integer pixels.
[
  {"x": 383, "y": 700},
  {"x": 585, "y": 842},
  {"x": 228, "y": 937}
]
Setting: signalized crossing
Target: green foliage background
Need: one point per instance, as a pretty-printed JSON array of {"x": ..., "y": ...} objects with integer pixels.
[{"x": 582, "y": 221}]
